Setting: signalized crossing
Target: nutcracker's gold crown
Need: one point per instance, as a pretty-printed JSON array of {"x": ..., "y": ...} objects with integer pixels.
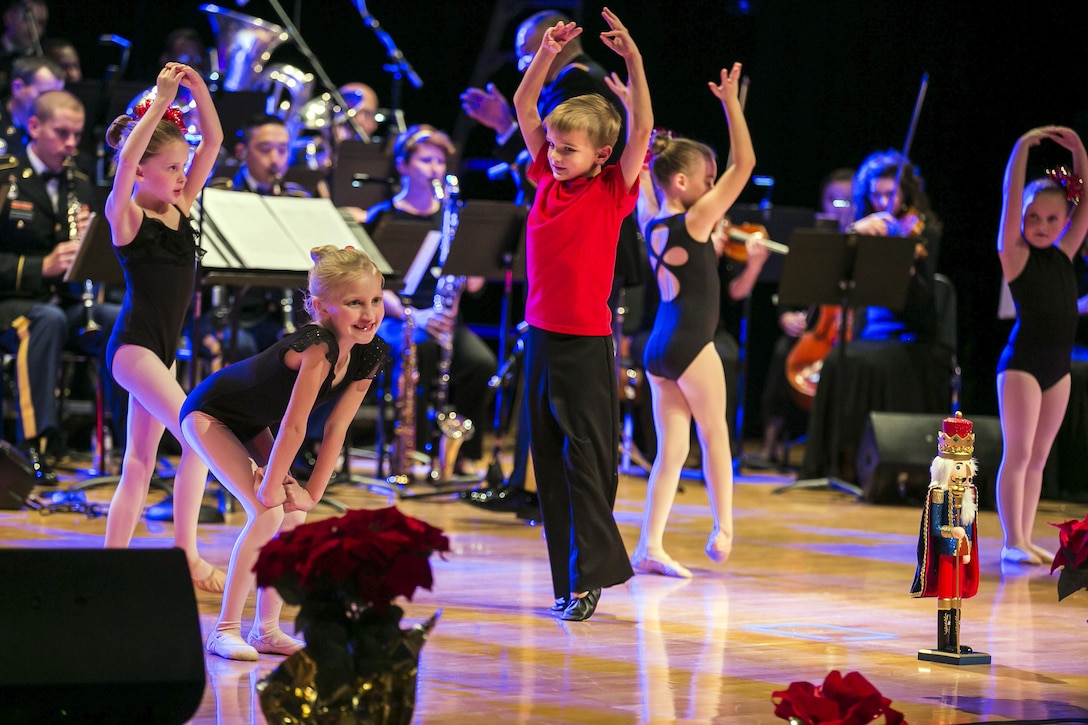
[{"x": 956, "y": 440}]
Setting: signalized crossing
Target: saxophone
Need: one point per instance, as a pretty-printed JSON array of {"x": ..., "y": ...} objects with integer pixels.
[
  {"x": 404, "y": 428},
  {"x": 450, "y": 429}
]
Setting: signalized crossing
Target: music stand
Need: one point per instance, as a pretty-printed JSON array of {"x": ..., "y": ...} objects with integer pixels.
[
  {"x": 363, "y": 175},
  {"x": 496, "y": 234},
  {"x": 848, "y": 270}
]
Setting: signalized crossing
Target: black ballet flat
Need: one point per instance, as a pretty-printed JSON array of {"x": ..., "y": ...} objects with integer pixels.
[
  {"x": 560, "y": 605},
  {"x": 582, "y": 608}
]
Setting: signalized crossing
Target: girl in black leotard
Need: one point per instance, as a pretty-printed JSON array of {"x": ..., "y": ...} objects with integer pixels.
[
  {"x": 228, "y": 418},
  {"x": 684, "y": 369},
  {"x": 156, "y": 245},
  {"x": 1036, "y": 243}
]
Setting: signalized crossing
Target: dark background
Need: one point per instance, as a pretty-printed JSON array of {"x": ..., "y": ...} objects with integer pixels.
[{"x": 831, "y": 81}]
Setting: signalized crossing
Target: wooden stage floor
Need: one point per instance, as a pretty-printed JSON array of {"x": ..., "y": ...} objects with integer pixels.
[{"x": 817, "y": 582}]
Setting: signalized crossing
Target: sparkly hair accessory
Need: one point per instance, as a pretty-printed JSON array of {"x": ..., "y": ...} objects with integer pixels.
[
  {"x": 172, "y": 114},
  {"x": 956, "y": 439},
  {"x": 1073, "y": 185}
]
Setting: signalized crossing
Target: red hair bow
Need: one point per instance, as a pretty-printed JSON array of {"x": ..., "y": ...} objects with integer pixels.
[
  {"x": 172, "y": 114},
  {"x": 1073, "y": 185}
]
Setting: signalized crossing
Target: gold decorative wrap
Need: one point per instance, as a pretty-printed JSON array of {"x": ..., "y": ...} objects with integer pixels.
[{"x": 376, "y": 693}]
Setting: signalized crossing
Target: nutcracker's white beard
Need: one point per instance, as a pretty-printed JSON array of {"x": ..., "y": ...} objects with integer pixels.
[{"x": 940, "y": 473}]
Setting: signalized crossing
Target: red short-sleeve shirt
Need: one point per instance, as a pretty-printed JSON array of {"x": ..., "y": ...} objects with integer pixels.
[{"x": 570, "y": 248}]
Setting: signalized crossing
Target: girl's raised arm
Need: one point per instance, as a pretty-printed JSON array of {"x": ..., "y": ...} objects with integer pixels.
[
  {"x": 211, "y": 136},
  {"x": 123, "y": 214}
]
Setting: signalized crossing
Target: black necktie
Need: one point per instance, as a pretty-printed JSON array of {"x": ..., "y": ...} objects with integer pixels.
[{"x": 48, "y": 176}]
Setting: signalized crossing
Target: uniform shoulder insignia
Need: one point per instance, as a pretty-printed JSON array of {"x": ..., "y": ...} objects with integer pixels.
[
  {"x": 81, "y": 176},
  {"x": 290, "y": 188},
  {"x": 7, "y": 162},
  {"x": 222, "y": 182}
]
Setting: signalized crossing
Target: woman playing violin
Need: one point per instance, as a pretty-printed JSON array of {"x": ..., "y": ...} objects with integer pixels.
[
  {"x": 884, "y": 210},
  {"x": 892, "y": 363}
]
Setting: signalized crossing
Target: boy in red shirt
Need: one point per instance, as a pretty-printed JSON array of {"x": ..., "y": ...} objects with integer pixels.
[{"x": 571, "y": 238}]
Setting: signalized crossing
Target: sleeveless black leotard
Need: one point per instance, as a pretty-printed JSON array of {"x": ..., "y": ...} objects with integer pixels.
[
  {"x": 159, "y": 265},
  {"x": 1041, "y": 341},
  {"x": 252, "y": 395},
  {"x": 684, "y": 324}
]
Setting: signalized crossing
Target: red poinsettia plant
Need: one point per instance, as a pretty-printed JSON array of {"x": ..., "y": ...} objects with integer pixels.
[
  {"x": 849, "y": 700},
  {"x": 1072, "y": 556},
  {"x": 362, "y": 560}
]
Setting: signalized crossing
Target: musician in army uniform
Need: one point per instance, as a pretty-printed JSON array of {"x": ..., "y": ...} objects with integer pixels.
[
  {"x": 45, "y": 208},
  {"x": 30, "y": 77}
]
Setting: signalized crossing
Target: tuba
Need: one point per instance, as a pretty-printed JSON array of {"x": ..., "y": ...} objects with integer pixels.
[{"x": 244, "y": 45}]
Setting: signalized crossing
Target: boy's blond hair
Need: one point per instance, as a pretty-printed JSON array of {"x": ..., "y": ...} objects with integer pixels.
[{"x": 590, "y": 113}]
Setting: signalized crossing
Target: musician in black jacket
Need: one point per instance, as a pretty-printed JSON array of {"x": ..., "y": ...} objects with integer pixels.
[{"x": 45, "y": 207}]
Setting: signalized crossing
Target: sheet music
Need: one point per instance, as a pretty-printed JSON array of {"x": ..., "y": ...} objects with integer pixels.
[
  {"x": 81, "y": 249},
  {"x": 310, "y": 222},
  {"x": 422, "y": 263},
  {"x": 246, "y": 225}
]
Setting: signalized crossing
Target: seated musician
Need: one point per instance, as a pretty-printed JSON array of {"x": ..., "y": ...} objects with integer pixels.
[
  {"x": 262, "y": 155},
  {"x": 420, "y": 154},
  {"x": 364, "y": 108},
  {"x": 893, "y": 362}
]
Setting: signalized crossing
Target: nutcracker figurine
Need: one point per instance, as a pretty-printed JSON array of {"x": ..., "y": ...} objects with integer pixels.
[{"x": 947, "y": 541}]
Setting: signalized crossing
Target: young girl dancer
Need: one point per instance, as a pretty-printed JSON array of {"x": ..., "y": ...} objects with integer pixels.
[
  {"x": 1036, "y": 243},
  {"x": 227, "y": 420},
  {"x": 156, "y": 245},
  {"x": 684, "y": 369}
]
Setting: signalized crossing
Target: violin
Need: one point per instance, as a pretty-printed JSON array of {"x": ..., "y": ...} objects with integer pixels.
[{"x": 737, "y": 236}]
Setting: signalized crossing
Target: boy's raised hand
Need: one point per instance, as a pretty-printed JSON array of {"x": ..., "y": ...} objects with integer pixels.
[
  {"x": 558, "y": 36},
  {"x": 618, "y": 39},
  {"x": 730, "y": 84}
]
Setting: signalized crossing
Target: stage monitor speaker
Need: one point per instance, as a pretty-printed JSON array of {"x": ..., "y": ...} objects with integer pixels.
[
  {"x": 896, "y": 451},
  {"x": 16, "y": 478},
  {"x": 99, "y": 636}
]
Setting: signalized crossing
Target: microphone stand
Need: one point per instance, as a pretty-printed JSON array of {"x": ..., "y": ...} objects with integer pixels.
[
  {"x": 399, "y": 67},
  {"x": 32, "y": 26},
  {"x": 109, "y": 82},
  {"x": 334, "y": 91}
]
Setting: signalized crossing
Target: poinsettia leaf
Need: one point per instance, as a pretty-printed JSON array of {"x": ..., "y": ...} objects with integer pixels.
[{"x": 1071, "y": 580}]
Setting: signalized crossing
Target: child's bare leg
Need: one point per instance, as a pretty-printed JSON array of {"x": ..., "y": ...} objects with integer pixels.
[
  {"x": 1020, "y": 401},
  {"x": 672, "y": 422}
]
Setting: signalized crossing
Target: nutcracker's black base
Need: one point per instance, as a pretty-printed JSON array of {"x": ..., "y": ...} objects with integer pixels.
[{"x": 952, "y": 658}]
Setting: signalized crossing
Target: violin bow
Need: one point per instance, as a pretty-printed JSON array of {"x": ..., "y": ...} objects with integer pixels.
[
  {"x": 910, "y": 139},
  {"x": 742, "y": 96}
]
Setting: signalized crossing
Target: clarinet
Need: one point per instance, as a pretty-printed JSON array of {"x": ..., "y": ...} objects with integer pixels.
[
  {"x": 450, "y": 430},
  {"x": 89, "y": 297},
  {"x": 287, "y": 301}
]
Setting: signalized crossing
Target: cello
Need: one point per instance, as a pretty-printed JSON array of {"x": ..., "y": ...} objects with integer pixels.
[{"x": 806, "y": 358}]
